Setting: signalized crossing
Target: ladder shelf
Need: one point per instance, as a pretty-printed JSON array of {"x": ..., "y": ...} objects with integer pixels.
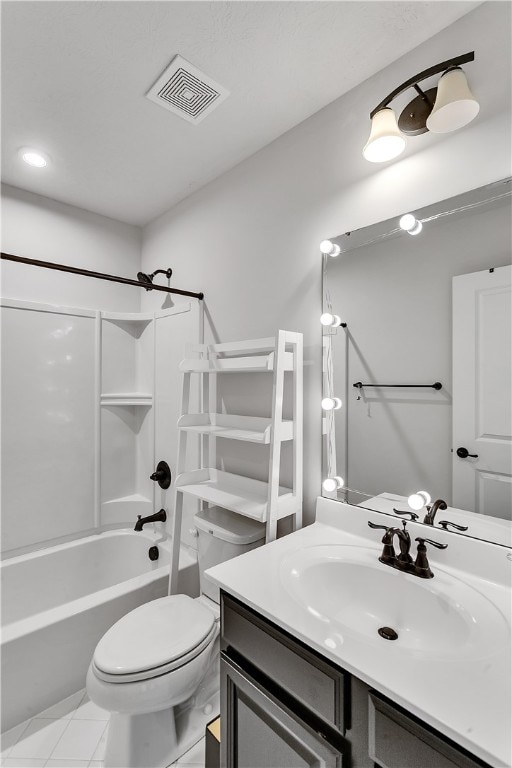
[{"x": 266, "y": 502}]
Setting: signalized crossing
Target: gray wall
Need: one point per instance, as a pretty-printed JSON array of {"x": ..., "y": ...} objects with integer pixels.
[{"x": 250, "y": 239}]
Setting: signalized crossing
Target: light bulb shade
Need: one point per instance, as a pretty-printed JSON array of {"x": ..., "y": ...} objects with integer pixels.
[
  {"x": 331, "y": 403},
  {"x": 416, "y": 229},
  {"x": 330, "y": 249},
  {"x": 329, "y": 319},
  {"x": 408, "y": 222},
  {"x": 386, "y": 141},
  {"x": 331, "y": 484},
  {"x": 455, "y": 105},
  {"x": 419, "y": 500}
]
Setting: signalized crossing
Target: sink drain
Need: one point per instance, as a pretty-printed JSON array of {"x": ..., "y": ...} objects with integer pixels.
[{"x": 388, "y": 633}]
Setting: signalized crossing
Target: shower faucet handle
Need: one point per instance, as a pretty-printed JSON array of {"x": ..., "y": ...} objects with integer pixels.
[{"x": 162, "y": 474}]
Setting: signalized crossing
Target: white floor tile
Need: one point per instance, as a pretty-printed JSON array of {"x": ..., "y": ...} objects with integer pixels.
[
  {"x": 79, "y": 740},
  {"x": 9, "y": 738},
  {"x": 195, "y": 755},
  {"x": 39, "y": 739},
  {"x": 51, "y": 763},
  {"x": 64, "y": 709},
  {"x": 99, "y": 753},
  {"x": 90, "y": 711},
  {"x": 22, "y": 762}
]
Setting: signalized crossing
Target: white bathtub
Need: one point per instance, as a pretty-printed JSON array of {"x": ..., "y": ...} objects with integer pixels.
[{"x": 58, "y": 602}]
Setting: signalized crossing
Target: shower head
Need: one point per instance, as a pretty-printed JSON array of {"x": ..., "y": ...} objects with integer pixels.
[{"x": 142, "y": 277}]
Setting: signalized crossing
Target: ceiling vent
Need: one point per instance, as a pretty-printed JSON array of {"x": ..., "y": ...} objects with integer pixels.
[{"x": 186, "y": 91}]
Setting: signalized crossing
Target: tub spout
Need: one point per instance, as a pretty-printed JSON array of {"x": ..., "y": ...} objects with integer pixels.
[{"x": 157, "y": 517}]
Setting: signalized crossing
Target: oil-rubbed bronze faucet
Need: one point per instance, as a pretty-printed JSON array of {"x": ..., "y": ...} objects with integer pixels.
[
  {"x": 159, "y": 516},
  {"x": 404, "y": 562},
  {"x": 432, "y": 509}
]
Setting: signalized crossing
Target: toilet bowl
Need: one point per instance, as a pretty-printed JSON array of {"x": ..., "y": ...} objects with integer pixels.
[
  {"x": 150, "y": 661},
  {"x": 157, "y": 669}
]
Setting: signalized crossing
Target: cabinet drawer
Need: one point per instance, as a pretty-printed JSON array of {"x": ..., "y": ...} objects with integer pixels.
[
  {"x": 397, "y": 741},
  {"x": 312, "y": 681}
]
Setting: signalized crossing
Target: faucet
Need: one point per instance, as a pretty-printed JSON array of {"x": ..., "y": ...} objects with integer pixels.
[
  {"x": 420, "y": 567},
  {"x": 157, "y": 517},
  {"x": 431, "y": 511}
]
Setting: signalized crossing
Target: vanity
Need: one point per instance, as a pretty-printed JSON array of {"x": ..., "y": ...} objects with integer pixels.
[{"x": 307, "y": 679}]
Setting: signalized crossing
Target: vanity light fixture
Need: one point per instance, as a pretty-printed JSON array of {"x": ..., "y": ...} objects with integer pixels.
[
  {"x": 331, "y": 484},
  {"x": 332, "y": 321},
  {"x": 446, "y": 108},
  {"x": 331, "y": 403},
  {"x": 419, "y": 500},
  {"x": 330, "y": 249},
  {"x": 411, "y": 224},
  {"x": 33, "y": 157}
]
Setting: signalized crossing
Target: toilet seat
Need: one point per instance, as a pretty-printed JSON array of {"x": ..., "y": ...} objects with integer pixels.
[{"x": 154, "y": 639}]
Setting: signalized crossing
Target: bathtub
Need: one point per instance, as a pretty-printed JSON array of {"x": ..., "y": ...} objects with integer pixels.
[{"x": 58, "y": 602}]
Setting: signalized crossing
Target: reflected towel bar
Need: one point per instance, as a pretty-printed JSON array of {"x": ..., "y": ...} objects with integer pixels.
[
  {"x": 98, "y": 275},
  {"x": 435, "y": 385}
]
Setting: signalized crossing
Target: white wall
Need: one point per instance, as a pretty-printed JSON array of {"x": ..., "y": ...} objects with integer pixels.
[
  {"x": 250, "y": 239},
  {"x": 48, "y": 362},
  {"x": 40, "y": 228}
]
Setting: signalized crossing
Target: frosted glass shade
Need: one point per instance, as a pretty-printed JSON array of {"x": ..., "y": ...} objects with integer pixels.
[
  {"x": 455, "y": 105},
  {"x": 386, "y": 141}
]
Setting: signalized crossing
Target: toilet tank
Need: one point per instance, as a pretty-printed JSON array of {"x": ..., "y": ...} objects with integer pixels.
[{"x": 223, "y": 535}]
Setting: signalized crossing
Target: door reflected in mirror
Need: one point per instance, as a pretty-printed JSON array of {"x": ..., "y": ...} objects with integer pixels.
[{"x": 423, "y": 366}]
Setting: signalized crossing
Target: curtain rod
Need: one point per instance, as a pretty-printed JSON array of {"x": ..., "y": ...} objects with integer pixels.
[{"x": 98, "y": 275}]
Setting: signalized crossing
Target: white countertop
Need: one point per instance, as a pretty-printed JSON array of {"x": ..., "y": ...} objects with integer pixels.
[{"x": 466, "y": 699}]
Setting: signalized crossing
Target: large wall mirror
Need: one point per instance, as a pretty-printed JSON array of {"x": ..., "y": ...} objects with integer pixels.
[{"x": 423, "y": 365}]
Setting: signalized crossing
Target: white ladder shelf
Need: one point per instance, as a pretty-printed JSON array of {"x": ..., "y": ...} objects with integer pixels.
[{"x": 266, "y": 502}]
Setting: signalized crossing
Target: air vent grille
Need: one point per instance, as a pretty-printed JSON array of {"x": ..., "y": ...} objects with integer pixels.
[{"x": 186, "y": 91}]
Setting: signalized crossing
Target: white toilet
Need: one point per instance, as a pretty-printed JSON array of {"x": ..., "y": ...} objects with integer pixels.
[{"x": 156, "y": 670}]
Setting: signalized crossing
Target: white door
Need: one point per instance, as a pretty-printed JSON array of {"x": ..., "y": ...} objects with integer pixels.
[{"x": 482, "y": 406}]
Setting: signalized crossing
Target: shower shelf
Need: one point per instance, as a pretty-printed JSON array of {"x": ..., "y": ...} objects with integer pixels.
[
  {"x": 127, "y": 398},
  {"x": 252, "y": 429},
  {"x": 136, "y": 503},
  {"x": 239, "y": 494}
]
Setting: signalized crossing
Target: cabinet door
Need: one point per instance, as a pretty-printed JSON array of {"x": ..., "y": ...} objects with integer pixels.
[{"x": 259, "y": 731}]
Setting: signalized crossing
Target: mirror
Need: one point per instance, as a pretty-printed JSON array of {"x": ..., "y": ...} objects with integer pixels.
[{"x": 423, "y": 366}]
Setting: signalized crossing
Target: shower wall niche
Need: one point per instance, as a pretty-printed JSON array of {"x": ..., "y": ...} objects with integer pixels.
[{"x": 127, "y": 416}]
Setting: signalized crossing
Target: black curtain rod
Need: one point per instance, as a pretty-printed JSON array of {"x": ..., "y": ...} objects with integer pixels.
[
  {"x": 98, "y": 275},
  {"x": 435, "y": 385}
]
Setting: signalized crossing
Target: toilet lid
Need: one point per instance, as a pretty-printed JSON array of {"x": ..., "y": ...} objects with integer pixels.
[{"x": 153, "y": 635}]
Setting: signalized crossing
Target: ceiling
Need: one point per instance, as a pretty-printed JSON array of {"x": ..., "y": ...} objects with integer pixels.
[{"x": 75, "y": 75}]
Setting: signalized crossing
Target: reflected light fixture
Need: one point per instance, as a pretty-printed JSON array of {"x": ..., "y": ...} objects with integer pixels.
[
  {"x": 446, "y": 108},
  {"x": 419, "y": 500},
  {"x": 330, "y": 249},
  {"x": 331, "y": 403},
  {"x": 331, "y": 484},
  {"x": 411, "y": 224},
  {"x": 330, "y": 320}
]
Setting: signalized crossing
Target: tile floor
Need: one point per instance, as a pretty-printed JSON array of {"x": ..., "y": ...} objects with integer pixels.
[{"x": 71, "y": 734}]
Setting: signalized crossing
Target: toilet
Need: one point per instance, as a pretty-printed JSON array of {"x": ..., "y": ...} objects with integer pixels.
[{"x": 157, "y": 669}]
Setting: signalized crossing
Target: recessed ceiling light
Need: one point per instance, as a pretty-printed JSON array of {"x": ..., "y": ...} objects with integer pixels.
[{"x": 33, "y": 157}]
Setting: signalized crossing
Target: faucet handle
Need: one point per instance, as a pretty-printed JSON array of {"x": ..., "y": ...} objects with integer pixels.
[
  {"x": 388, "y": 552},
  {"x": 445, "y": 523},
  {"x": 421, "y": 565},
  {"x": 412, "y": 515},
  {"x": 374, "y": 525},
  {"x": 429, "y": 541}
]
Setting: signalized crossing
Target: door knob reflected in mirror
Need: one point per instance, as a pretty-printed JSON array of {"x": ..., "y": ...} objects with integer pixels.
[{"x": 463, "y": 453}]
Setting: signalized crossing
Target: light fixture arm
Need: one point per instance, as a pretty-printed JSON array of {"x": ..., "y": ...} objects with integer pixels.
[{"x": 412, "y": 82}]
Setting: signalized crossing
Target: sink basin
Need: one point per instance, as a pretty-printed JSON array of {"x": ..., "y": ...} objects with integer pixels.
[{"x": 348, "y": 589}]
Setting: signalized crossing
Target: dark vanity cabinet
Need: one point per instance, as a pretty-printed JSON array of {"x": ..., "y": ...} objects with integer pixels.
[{"x": 285, "y": 706}]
